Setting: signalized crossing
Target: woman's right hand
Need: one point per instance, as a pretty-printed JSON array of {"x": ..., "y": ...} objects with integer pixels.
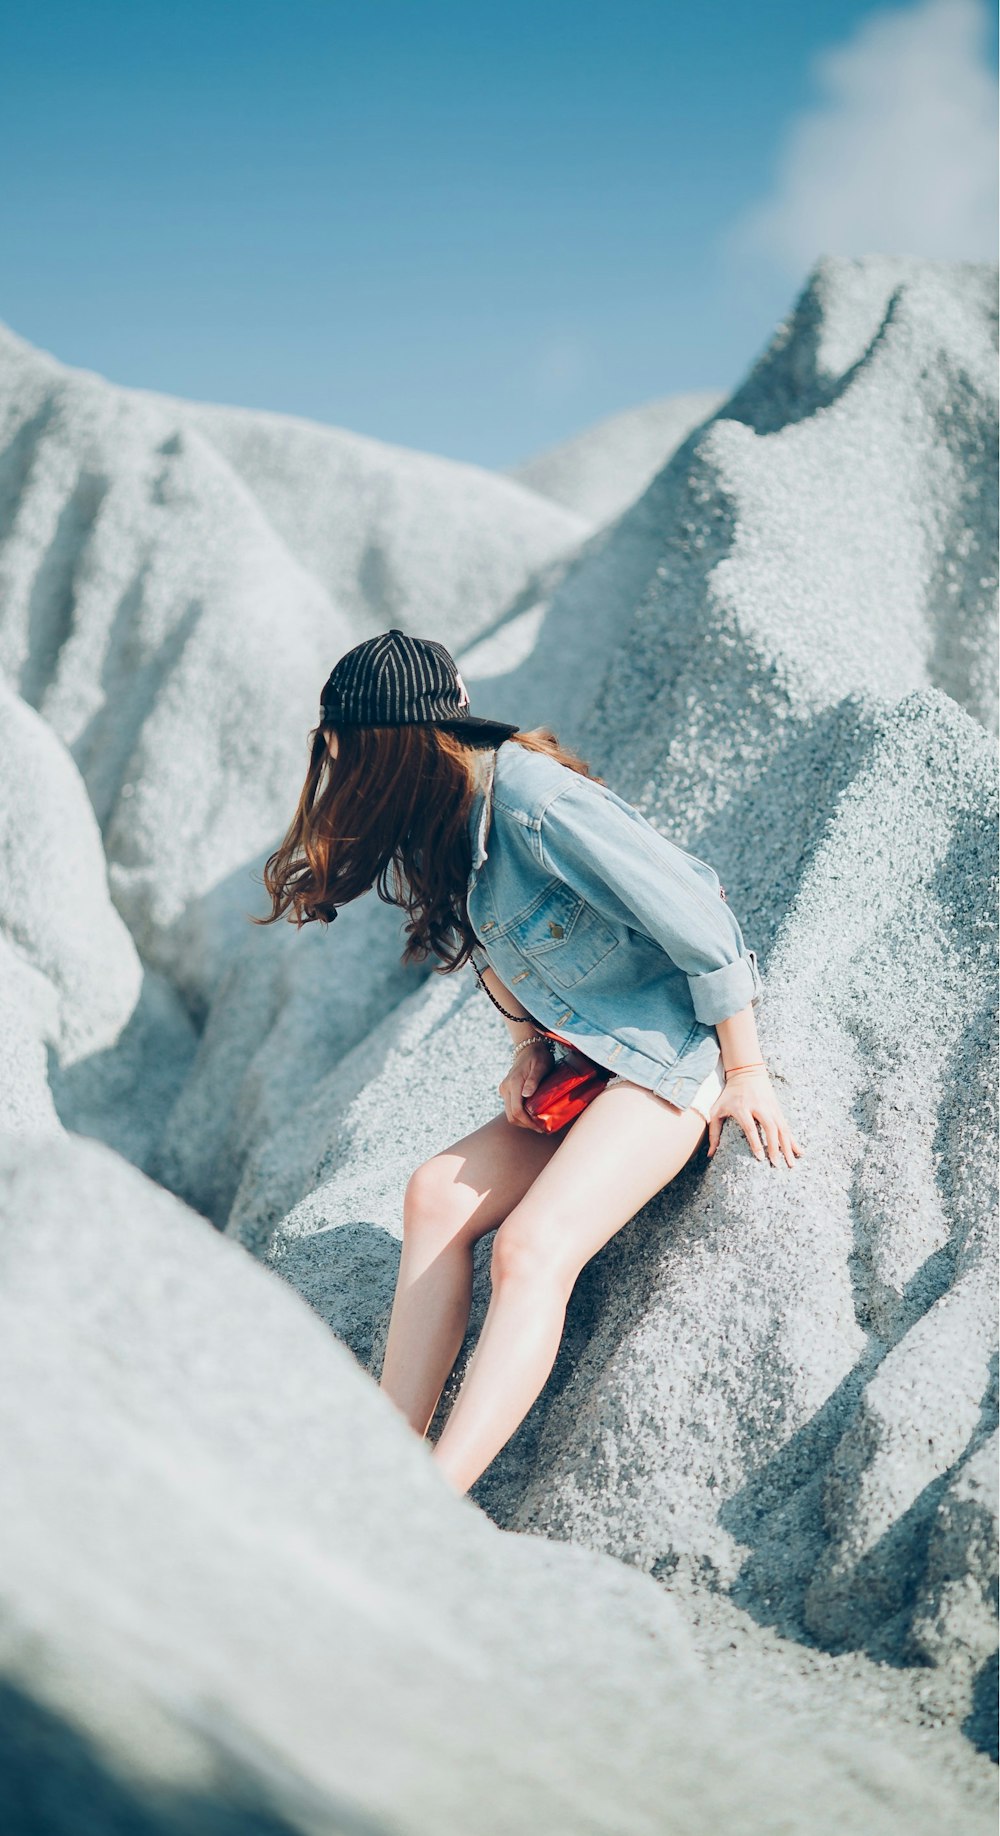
[{"x": 522, "y": 1080}]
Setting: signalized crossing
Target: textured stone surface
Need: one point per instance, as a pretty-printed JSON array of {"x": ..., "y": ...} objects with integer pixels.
[
  {"x": 286, "y": 1011},
  {"x": 768, "y": 1334},
  {"x": 54, "y": 904},
  {"x": 169, "y": 608},
  {"x": 813, "y": 1349},
  {"x": 242, "y": 1582},
  {"x": 397, "y": 537},
  {"x": 775, "y": 1400},
  {"x": 956, "y": 1611},
  {"x": 600, "y": 472},
  {"x": 79, "y": 1016}
]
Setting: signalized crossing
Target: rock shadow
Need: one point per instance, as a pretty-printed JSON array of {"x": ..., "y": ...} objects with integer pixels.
[{"x": 54, "y": 1779}]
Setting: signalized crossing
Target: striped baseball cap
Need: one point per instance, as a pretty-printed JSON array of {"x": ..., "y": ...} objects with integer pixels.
[{"x": 395, "y": 680}]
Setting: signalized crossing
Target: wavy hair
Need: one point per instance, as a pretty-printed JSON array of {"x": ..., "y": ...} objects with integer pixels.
[{"x": 392, "y": 811}]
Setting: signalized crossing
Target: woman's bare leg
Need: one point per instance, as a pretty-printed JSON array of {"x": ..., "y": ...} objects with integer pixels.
[
  {"x": 450, "y": 1201},
  {"x": 621, "y": 1150}
]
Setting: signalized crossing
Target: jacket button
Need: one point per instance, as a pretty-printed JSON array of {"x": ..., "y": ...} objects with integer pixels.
[{"x": 488, "y": 925}]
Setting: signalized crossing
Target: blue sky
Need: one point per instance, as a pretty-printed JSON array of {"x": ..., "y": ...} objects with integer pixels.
[{"x": 468, "y": 229}]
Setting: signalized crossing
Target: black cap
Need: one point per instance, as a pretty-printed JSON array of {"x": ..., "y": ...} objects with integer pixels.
[{"x": 394, "y": 680}]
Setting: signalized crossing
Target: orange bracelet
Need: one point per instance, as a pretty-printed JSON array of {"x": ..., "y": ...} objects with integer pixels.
[{"x": 731, "y": 1070}]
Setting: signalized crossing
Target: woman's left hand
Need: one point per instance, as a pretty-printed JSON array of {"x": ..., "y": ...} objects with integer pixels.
[{"x": 749, "y": 1098}]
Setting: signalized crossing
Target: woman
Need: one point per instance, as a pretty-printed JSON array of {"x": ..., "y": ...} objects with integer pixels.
[{"x": 580, "y": 918}]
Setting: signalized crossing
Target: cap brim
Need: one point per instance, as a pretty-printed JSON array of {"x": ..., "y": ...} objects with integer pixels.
[
  {"x": 475, "y": 728},
  {"x": 470, "y": 726}
]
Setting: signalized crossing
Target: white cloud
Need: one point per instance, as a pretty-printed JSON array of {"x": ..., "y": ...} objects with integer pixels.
[{"x": 900, "y": 155}]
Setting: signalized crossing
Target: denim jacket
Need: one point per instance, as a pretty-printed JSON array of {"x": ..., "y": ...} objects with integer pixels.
[{"x": 608, "y": 933}]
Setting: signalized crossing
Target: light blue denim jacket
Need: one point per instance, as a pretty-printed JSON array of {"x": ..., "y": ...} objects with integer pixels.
[{"x": 609, "y": 934}]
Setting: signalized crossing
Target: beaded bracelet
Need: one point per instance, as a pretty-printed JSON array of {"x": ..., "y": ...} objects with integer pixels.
[{"x": 533, "y": 1039}]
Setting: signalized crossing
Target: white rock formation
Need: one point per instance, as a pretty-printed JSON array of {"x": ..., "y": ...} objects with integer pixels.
[
  {"x": 600, "y": 472},
  {"x": 397, "y": 537},
  {"x": 764, "y": 1335},
  {"x": 241, "y": 1590},
  {"x": 79, "y": 1019},
  {"x": 832, "y": 528},
  {"x": 79, "y": 1016},
  {"x": 775, "y": 1401},
  {"x": 160, "y": 612},
  {"x": 767, "y": 1328},
  {"x": 54, "y": 904}
]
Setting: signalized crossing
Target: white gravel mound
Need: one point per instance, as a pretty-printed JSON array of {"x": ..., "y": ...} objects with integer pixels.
[
  {"x": 157, "y": 623},
  {"x": 287, "y": 1011},
  {"x": 775, "y": 1403},
  {"x": 770, "y": 1339},
  {"x": 768, "y": 1328},
  {"x": 833, "y": 527},
  {"x": 176, "y": 637},
  {"x": 54, "y": 904},
  {"x": 80, "y": 1018},
  {"x": 397, "y": 537},
  {"x": 270, "y": 1606},
  {"x": 29, "y": 1018},
  {"x": 602, "y": 470}
]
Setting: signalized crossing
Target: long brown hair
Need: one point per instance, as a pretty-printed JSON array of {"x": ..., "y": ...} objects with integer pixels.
[{"x": 392, "y": 811}]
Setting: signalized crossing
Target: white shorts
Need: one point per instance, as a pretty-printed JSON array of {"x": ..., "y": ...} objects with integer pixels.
[{"x": 708, "y": 1090}]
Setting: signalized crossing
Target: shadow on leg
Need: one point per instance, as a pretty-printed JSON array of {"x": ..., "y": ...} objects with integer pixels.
[
  {"x": 450, "y": 1201},
  {"x": 623, "y": 1149}
]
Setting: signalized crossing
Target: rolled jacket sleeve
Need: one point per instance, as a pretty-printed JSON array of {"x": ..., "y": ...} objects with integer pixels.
[{"x": 634, "y": 875}]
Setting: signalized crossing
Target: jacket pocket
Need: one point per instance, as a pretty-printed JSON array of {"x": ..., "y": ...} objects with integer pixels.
[{"x": 562, "y": 935}]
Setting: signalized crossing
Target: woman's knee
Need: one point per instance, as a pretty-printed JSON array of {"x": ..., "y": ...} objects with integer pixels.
[
  {"x": 526, "y": 1254},
  {"x": 433, "y": 1205}
]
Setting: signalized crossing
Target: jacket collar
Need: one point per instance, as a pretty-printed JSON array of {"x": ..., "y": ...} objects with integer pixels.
[{"x": 479, "y": 817}]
